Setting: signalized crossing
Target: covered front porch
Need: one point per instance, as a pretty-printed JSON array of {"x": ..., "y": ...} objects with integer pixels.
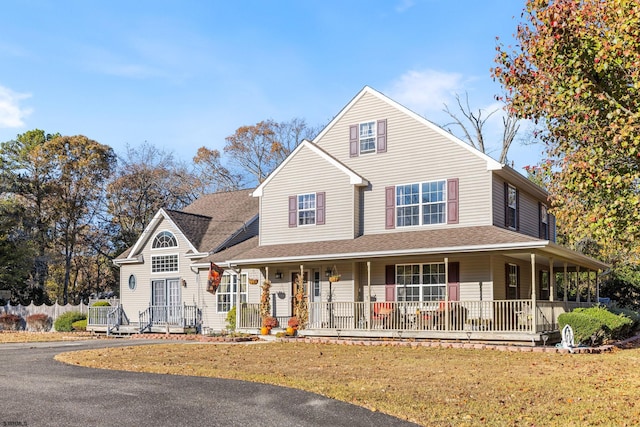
[{"x": 504, "y": 321}]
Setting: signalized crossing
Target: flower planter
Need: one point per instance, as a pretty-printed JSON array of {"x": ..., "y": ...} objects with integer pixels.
[
  {"x": 334, "y": 279},
  {"x": 253, "y": 281}
]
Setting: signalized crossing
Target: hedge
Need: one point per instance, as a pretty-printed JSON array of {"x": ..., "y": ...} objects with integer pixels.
[
  {"x": 79, "y": 325},
  {"x": 64, "y": 322},
  {"x": 101, "y": 304},
  {"x": 593, "y": 326}
]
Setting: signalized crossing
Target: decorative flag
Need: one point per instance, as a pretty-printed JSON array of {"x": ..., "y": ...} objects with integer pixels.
[{"x": 215, "y": 276}]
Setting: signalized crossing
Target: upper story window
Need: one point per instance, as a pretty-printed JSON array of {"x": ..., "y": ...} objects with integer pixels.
[
  {"x": 421, "y": 203},
  {"x": 368, "y": 137},
  {"x": 307, "y": 209},
  {"x": 164, "y": 239},
  {"x": 544, "y": 222},
  {"x": 511, "y": 202},
  {"x": 164, "y": 263}
]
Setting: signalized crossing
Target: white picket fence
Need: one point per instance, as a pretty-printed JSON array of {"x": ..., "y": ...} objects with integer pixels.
[{"x": 53, "y": 311}]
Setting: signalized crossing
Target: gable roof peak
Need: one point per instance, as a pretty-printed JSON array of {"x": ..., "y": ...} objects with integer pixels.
[{"x": 354, "y": 178}]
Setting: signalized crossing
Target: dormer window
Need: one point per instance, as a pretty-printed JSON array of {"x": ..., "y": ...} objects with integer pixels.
[
  {"x": 163, "y": 240},
  {"x": 368, "y": 137}
]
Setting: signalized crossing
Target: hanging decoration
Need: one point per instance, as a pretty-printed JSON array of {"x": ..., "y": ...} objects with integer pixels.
[{"x": 215, "y": 276}]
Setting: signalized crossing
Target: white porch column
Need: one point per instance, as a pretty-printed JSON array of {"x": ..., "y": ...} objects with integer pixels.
[
  {"x": 533, "y": 292},
  {"x": 367, "y": 307},
  {"x": 589, "y": 286},
  {"x": 597, "y": 288},
  {"x": 564, "y": 281},
  {"x": 552, "y": 281},
  {"x": 578, "y": 283},
  {"x": 446, "y": 294}
]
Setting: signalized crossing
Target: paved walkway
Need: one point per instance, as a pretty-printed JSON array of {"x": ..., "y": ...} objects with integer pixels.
[{"x": 36, "y": 390}]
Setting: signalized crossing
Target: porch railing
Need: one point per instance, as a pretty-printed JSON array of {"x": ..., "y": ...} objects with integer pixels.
[
  {"x": 454, "y": 316},
  {"x": 185, "y": 316}
]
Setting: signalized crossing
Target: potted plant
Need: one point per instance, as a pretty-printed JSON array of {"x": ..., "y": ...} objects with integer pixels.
[
  {"x": 268, "y": 323},
  {"x": 292, "y": 326}
]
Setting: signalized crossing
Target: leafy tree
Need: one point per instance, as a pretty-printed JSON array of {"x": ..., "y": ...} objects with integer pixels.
[
  {"x": 146, "y": 180},
  {"x": 576, "y": 70},
  {"x": 80, "y": 168},
  {"x": 260, "y": 148},
  {"x": 473, "y": 127},
  {"x": 17, "y": 252},
  {"x": 24, "y": 172}
]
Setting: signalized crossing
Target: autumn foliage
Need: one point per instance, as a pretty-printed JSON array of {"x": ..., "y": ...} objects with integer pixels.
[{"x": 576, "y": 72}]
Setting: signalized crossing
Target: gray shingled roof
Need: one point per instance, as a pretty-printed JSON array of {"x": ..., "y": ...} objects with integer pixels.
[
  {"x": 210, "y": 220},
  {"x": 451, "y": 239}
]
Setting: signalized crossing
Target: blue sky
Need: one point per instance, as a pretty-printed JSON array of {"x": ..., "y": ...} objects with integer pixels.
[{"x": 183, "y": 74}]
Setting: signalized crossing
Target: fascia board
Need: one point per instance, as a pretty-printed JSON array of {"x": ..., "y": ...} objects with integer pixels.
[
  {"x": 354, "y": 178},
  {"x": 405, "y": 252}
]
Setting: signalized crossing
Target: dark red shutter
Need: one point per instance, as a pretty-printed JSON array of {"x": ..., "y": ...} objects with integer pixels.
[
  {"x": 540, "y": 224},
  {"x": 452, "y": 201},
  {"x": 506, "y": 205},
  {"x": 517, "y": 209},
  {"x": 353, "y": 141},
  {"x": 390, "y": 283},
  {"x": 382, "y": 136},
  {"x": 453, "y": 281},
  {"x": 390, "y": 207},
  {"x": 320, "y": 208},
  {"x": 293, "y": 211}
]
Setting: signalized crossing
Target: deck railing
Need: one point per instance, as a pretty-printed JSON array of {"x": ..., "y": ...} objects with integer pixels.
[
  {"x": 454, "y": 316},
  {"x": 185, "y": 316}
]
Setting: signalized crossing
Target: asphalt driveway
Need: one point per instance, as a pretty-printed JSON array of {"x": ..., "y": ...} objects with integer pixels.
[{"x": 36, "y": 390}]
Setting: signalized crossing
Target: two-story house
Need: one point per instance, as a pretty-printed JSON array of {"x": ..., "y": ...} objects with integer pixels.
[
  {"x": 430, "y": 237},
  {"x": 397, "y": 227}
]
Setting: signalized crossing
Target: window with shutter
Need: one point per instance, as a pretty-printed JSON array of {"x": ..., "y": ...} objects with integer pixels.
[
  {"x": 368, "y": 137},
  {"x": 511, "y": 201},
  {"x": 307, "y": 209}
]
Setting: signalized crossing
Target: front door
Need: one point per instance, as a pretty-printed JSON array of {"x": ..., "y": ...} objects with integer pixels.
[{"x": 165, "y": 298}]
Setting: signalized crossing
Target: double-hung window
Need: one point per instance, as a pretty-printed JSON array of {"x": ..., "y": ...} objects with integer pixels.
[
  {"x": 367, "y": 137},
  {"x": 513, "y": 277},
  {"x": 307, "y": 209},
  {"x": 421, "y": 203},
  {"x": 544, "y": 222},
  {"x": 512, "y": 207},
  {"x": 232, "y": 287},
  {"x": 420, "y": 282}
]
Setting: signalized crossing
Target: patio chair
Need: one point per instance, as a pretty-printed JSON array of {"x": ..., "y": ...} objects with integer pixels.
[{"x": 381, "y": 314}]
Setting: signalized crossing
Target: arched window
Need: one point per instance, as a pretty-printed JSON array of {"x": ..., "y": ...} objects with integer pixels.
[{"x": 164, "y": 239}]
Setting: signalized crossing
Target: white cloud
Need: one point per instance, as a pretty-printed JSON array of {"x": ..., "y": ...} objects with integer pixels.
[
  {"x": 426, "y": 91},
  {"x": 12, "y": 115},
  {"x": 404, "y": 5}
]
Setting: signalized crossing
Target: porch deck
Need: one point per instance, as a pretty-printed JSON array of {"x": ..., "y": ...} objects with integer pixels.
[
  {"x": 504, "y": 321},
  {"x": 178, "y": 319}
]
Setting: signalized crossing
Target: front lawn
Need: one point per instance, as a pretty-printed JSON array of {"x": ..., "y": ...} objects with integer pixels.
[
  {"x": 430, "y": 386},
  {"x": 22, "y": 336}
]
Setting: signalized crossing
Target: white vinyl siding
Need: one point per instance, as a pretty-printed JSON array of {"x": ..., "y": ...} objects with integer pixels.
[
  {"x": 301, "y": 176},
  {"x": 414, "y": 153}
]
